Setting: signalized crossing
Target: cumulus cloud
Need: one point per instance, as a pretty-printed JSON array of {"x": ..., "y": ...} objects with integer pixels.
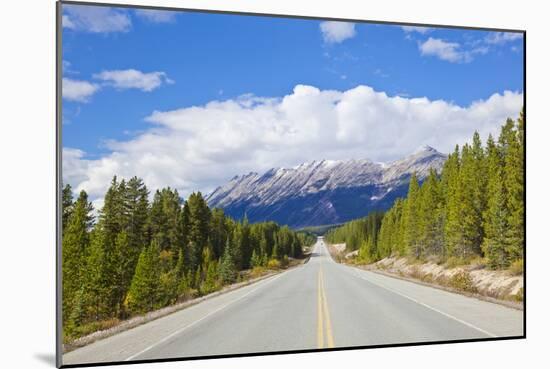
[
  {"x": 75, "y": 90},
  {"x": 132, "y": 78},
  {"x": 411, "y": 29},
  {"x": 156, "y": 16},
  {"x": 201, "y": 147},
  {"x": 448, "y": 51},
  {"x": 336, "y": 32},
  {"x": 95, "y": 19},
  {"x": 500, "y": 38}
]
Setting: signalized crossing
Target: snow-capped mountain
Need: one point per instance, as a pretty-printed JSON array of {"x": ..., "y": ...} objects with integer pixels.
[{"x": 322, "y": 192}]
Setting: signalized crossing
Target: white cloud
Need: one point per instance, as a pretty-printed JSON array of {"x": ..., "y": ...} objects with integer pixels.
[
  {"x": 157, "y": 16},
  {"x": 502, "y": 37},
  {"x": 131, "y": 78},
  {"x": 66, "y": 22},
  {"x": 75, "y": 90},
  {"x": 95, "y": 19},
  {"x": 336, "y": 32},
  {"x": 448, "y": 51},
  {"x": 421, "y": 30},
  {"x": 201, "y": 147}
]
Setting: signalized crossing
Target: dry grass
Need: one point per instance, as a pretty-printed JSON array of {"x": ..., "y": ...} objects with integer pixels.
[
  {"x": 516, "y": 268},
  {"x": 463, "y": 281},
  {"x": 88, "y": 328}
]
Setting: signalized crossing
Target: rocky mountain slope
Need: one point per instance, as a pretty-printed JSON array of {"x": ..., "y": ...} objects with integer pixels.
[{"x": 322, "y": 192}]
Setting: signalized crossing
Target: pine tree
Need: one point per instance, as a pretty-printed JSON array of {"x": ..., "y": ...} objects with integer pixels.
[
  {"x": 67, "y": 206},
  {"x": 255, "y": 260},
  {"x": 199, "y": 224},
  {"x": 218, "y": 232},
  {"x": 124, "y": 270},
  {"x": 431, "y": 215},
  {"x": 227, "y": 265},
  {"x": 136, "y": 201},
  {"x": 144, "y": 290},
  {"x": 496, "y": 214},
  {"x": 454, "y": 235},
  {"x": 411, "y": 225},
  {"x": 95, "y": 283},
  {"x": 469, "y": 207},
  {"x": 513, "y": 174},
  {"x": 165, "y": 219},
  {"x": 75, "y": 248}
]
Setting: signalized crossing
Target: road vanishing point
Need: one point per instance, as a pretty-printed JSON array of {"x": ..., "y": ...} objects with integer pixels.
[{"x": 320, "y": 304}]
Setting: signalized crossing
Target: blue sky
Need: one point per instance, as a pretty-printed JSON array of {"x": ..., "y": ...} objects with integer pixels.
[{"x": 180, "y": 60}]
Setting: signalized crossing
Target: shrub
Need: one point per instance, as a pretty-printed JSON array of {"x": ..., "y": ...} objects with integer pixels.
[
  {"x": 273, "y": 264},
  {"x": 257, "y": 271},
  {"x": 519, "y": 295},
  {"x": 462, "y": 281},
  {"x": 284, "y": 262},
  {"x": 516, "y": 268},
  {"x": 454, "y": 262},
  {"x": 428, "y": 278}
]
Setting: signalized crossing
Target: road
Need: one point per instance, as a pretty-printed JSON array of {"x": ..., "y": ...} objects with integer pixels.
[{"x": 321, "y": 304}]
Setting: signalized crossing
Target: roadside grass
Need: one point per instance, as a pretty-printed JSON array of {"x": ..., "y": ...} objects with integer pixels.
[
  {"x": 476, "y": 262},
  {"x": 88, "y": 328},
  {"x": 516, "y": 268},
  {"x": 463, "y": 281}
]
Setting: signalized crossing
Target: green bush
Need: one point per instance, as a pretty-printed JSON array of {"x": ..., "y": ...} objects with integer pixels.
[
  {"x": 454, "y": 262},
  {"x": 516, "y": 268},
  {"x": 462, "y": 281},
  {"x": 273, "y": 264}
]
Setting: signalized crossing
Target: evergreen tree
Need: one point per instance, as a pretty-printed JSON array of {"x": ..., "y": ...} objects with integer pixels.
[
  {"x": 144, "y": 290},
  {"x": 75, "y": 248},
  {"x": 454, "y": 235},
  {"x": 218, "y": 232},
  {"x": 227, "y": 266},
  {"x": 67, "y": 206},
  {"x": 513, "y": 175},
  {"x": 469, "y": 209},
  {"x": 411, "y": 223},
  {"x": 431, "y": 216},
  {"x": 496, "y": 215},
  {"x": 199, "y": 224},
  {"x": 95, "y": 283}
]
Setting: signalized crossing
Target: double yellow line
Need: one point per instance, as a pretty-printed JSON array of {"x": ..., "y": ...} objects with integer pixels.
[{"x": 323, "y": 316}]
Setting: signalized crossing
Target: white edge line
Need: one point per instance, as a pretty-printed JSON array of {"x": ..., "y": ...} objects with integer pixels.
[
  {"x": 204, "y": 317},
  {"x": 430, "y": 307}
]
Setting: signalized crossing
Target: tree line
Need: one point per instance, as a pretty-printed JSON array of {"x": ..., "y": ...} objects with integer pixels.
[
  {"x": 140, "y": 255},
  {"x": 473, "y": 208}
]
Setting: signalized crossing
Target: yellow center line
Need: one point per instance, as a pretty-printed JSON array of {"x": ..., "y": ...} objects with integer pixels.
[
  {"x": 323, "y": 317},
  {"x": 330, "y": 339},
  {"x": 319, "y": 313}
]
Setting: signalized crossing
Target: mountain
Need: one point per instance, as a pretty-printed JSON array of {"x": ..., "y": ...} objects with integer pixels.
[{"x": 322, "y": 192}]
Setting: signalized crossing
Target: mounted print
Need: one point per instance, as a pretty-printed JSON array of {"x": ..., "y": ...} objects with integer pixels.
[{"x": 238, "y": 184}]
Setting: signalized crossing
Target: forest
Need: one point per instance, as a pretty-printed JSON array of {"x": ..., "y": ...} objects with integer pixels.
[
  {"x": 473, "y": 209},
  {"x": 138, "y": 255}
]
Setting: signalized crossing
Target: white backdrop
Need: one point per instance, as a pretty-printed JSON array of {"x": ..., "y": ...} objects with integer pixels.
[{"x": 27, "y": 187}]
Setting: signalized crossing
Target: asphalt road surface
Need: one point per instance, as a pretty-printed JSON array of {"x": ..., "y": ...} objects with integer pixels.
[{"x": 321, "y": 304}]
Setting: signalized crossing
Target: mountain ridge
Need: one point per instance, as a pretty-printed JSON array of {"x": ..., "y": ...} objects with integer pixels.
[{"x": 322, "y": 191}]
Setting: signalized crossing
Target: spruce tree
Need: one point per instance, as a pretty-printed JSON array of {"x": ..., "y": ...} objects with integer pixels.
[
  {"x": 431, "y": 214},
  {"x": 75, "y": 248},
  {"x": 513, "y": 173},
  {"x": 454, "y": 235},
  {"x": 227, "y": 265},
  {"x": 67, "y": 205},
  {"x": 144, "y": 293},
  {"x": 496, "y": 215},
  {"x": 411, "y": 224}
]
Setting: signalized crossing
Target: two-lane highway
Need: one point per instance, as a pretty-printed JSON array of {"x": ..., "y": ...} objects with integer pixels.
[{"x": 321, "y": 304}]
